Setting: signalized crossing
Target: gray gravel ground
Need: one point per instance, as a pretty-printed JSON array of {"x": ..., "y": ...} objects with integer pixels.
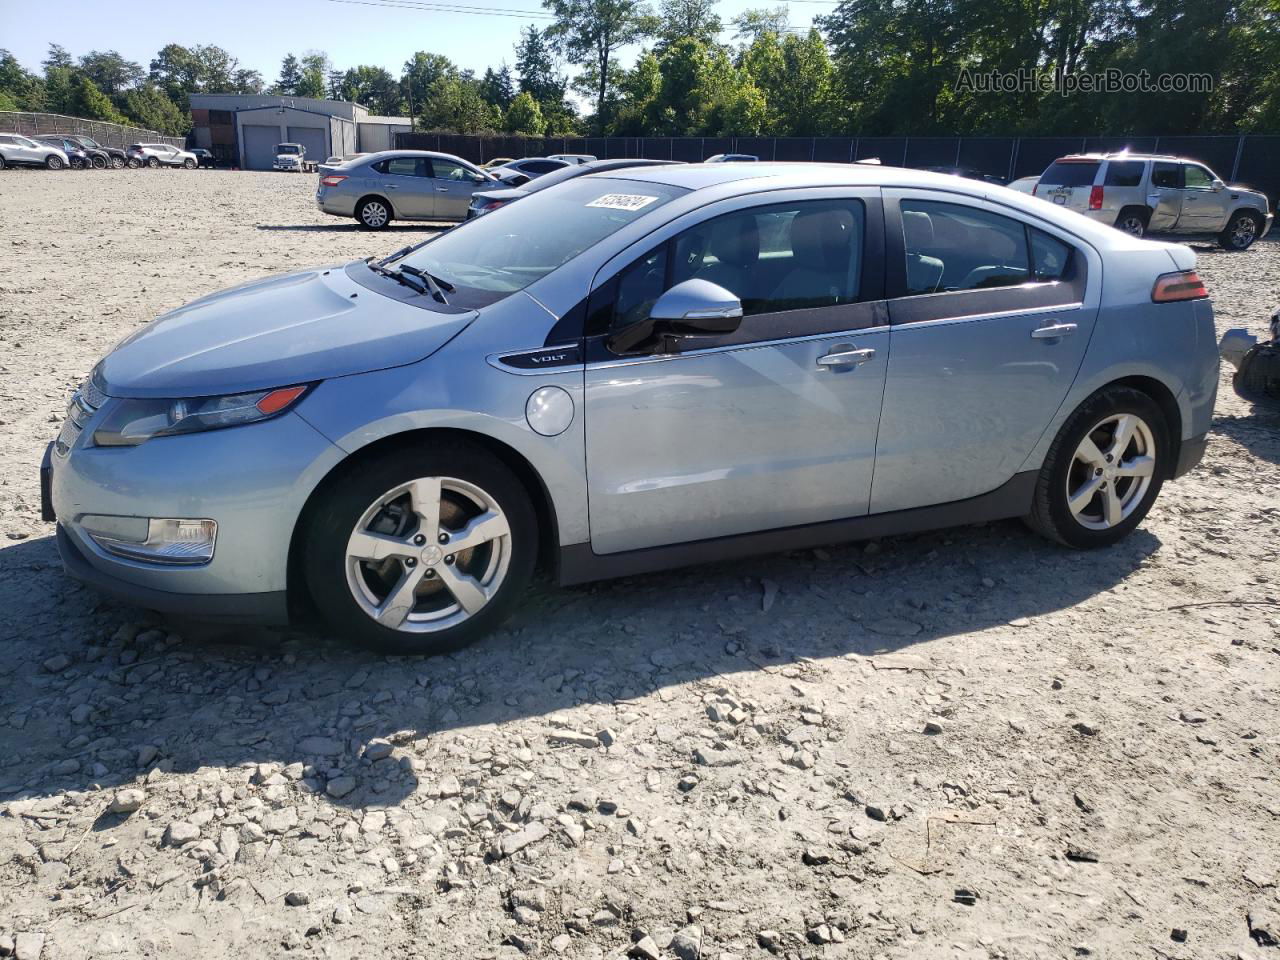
[{"x": 726, "y": 762}]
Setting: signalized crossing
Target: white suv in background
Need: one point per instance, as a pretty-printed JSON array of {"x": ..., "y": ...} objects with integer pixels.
[
  {"x": 1142, "y": 193},
  {"x": 160, "y": 155},
  {"x": 19, "y": 151}
]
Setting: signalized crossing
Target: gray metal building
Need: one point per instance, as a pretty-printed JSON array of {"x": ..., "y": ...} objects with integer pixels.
[{"x": 243, "y": 130}]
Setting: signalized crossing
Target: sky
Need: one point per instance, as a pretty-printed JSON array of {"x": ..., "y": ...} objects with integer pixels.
[{"x": 378, "y": 32}]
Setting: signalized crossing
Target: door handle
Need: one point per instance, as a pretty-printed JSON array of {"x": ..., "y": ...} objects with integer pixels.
[
  {"x": 392, "y": 186},
  {"x": 846, "y": 358},
  {"x": 1053, "y": 332},
  {"x": 442, "y": 189}
]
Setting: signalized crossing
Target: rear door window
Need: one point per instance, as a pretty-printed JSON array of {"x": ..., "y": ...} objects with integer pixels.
[
  {"x": 954, "y": 247},
  {"x": 403, "y": 167},
  {"x": 1125, "y": 173},
  {"x": 1070, "y": 173},
  {"x": 1167, "y": 175}
]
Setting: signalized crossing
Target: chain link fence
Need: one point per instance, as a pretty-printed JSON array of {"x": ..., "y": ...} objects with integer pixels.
[
  {"x": 107, "y": 134},
  {"x": 1249, "y": 160}
]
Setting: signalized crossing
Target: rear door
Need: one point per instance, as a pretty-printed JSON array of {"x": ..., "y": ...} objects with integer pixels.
[
  {"x": 1165, "y": 196},
  {"x": 1069, "y": 182},
  {"x": 453, "y": 183},
  {"x": 990, "y": 317},
  {"x": 407, "y": 183}
]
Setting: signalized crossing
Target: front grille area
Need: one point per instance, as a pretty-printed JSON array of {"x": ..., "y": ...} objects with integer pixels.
[{"x": 84, "y": 404}]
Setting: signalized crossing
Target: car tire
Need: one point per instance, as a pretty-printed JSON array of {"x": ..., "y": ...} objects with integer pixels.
[
  {"x": 1097, "y": 485},
  {"x": 1243, "y": 228},
  {"x": 389, "y": 500},
  {"x": 153, "y": 163},
  {"x": 133, "y": 163},
  {"x": 2, "y": 163},
  {"x": 117, "y": 163},
  {"x": 373, "y": 214},
  {"x": 1133, "y": 221},
  {"x": 99, "y": 163},
  {"x": 54, "y": 163},
  {"x": 189, "y": 164}
]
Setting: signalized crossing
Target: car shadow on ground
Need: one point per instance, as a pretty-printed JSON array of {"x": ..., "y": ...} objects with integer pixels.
[
  {"x": 89, "y": 705},
  {"x": 1259, "y": 433}
]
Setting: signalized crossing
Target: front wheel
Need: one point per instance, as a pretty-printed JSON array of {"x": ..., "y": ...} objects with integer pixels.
[
  {"x": 189, "y": 164},
  {"x": 421, "y": 551},
  {"x": 374, "y": 214},
  {"x": 1103, "y": 471},
  {"x": 1242, "y": 229},
  {"x": 99, "y": 162},
  {"x": 117, "y": 163},
  {"x": 153, "y": 163},
  {"x": 134, "y": 163},
  {"x": 54, "y": 163}
]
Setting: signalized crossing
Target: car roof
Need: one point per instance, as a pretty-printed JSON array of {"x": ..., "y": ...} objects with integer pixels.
[
  {"x": 724, "y": 180},
  {"x": 382, "y": 154},
  {"x": 1121, "y": 155}
]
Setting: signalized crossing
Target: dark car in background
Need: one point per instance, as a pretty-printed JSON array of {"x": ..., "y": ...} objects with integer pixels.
[
  {"x": 204, "y": 158},
  {"x": 113, "y": 157},
  {"x": 519, "y": 172},
  {"x": 969, "y": 173},
  {"x": 487, "y": 201},
  {"x": 77, "y": 156}
]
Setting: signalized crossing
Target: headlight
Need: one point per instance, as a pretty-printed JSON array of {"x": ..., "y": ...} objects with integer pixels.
[{"x": 130, "y": 422}]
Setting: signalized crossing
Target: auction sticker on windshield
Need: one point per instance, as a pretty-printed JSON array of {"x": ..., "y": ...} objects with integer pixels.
[{"x": 622, "y": 201}]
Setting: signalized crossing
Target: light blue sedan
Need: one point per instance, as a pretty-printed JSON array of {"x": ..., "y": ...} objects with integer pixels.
[{"x": 629, "y": 371}]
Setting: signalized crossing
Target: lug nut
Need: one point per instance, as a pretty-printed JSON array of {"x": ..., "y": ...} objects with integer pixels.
[
  {"x": 431, "y": 574},
  {"x": 444, "y": 538},
  {"x": 419, "y": 540},
  {"x": 1097, "y": 472},
  {"x": 410, "y": 562},
  {"x": 449, "y": 558},
  {"x": 1109, "y": 458}
]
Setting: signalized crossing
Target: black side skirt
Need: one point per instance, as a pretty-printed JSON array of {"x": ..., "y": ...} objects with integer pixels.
[{"x": 578, "y": 564}]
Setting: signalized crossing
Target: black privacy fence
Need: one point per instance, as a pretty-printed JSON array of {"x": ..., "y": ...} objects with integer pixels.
[
  {"x": 1251, "y": 160},
  {"x": 107, "y": 134}
]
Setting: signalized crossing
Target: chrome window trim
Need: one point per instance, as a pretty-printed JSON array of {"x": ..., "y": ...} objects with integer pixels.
[
  {"x": 972, "y": 317},
  {"x": 727, "y": 348}
]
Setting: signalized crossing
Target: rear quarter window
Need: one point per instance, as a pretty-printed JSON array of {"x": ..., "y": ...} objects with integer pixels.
[
  {"x": 1070, "y": 173},
  {"x": 1125, "y": 173}
]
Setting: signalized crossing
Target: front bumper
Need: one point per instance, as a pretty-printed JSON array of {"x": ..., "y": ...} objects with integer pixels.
[{"x": 253, "y": 480}]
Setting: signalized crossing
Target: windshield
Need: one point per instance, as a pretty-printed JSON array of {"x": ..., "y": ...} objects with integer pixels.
[
  {"x": 288, "y": 148},
  {"x": 495, "y": 255}
]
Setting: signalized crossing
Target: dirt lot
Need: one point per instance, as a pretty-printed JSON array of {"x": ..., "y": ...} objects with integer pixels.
[{"x": 728, "y": 762}]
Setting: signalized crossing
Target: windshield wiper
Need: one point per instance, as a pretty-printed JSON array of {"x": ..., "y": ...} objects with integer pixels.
[
  {"x": 438, "y": 286},
  {"x": 406, "y": 279}
]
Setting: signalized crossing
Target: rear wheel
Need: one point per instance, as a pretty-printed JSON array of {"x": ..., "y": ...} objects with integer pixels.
[
  {"x": 189, "y": 163},
  {"x": 1242, "y": 229},
  {"x": 153, "y": 163},
  {"x": 117, "y": 163},
  {"x": 2, "y": 164},
  {"x": 134, "y": 163},
  {"x": 1133, "y": 221},
  {"x": 99, "y": 162},
  {"x": 374, "y": 214},
  {"x": 422, "y": 551},
  {"x": 1103, "y": 471},
  {"x": 54, "y": 163}
]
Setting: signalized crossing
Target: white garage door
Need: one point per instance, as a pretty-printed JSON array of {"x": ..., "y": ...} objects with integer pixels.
[
  {"x": 260, "y": 146},
  {"x": 314, "y": 139}
]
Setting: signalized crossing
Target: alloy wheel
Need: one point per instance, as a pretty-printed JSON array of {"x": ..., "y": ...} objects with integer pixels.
[
  {"x": 1243, "y": 232},
  {"x": 1133, "y": 225},
  {"x": 99, "y": 163},
  {"x": 428, "y": 554},
  {"x": 373, "y": 213},
  {"x": 117, "y": 162},
  {"x": 54, "y": 163},
  {"x": 1111, "y": 471}
]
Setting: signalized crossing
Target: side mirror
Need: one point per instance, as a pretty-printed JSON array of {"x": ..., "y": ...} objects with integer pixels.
[
  {"x": 1218, "y": 185},
  {"x": 689, "y": 311}
]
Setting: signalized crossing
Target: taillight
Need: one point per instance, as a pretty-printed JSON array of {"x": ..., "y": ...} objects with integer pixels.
[
  {"x": 1183, "y": 285},
  {"x": 1095, "y": 198},
  {"x": 331, "y": 181}
]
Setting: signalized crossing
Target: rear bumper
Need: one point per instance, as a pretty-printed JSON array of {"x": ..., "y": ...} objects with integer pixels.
[
  {"x": 263, "y": 608},
  {"x": 1190, "y": 453}
]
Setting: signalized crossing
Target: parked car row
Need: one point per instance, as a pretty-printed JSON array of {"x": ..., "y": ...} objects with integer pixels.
[{"x": 61, "y": 151}]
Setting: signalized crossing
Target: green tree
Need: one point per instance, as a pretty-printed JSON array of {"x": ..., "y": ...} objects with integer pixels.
[
  {"x": 290, "y": 76},
  {"x": 525, "y": 116},
  {"x": 687, "y": 19},
  {"x": 497, "y": 87},
  {"x": 110, "y": 72},
  {"x": 246, "y": 81},
  {"x": 91, "y": 103},
  {"x": 147, "y": 106},
  {"x": 59, "y": 90},
  {"x": 421, "y": 73},
  {"x": 21, "y": 90},
  {"x": 750, "y": 24},
  {"x": 537, "y": 68},
  {"x": 181, "y": 71},
  {"x": 57, "y": 57},
  {"x": 591, "y": 32},
  {"x": 374, "y": 87}
]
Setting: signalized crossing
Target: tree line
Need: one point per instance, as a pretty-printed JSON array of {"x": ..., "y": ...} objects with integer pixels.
[{"x": 869, "y": 67}]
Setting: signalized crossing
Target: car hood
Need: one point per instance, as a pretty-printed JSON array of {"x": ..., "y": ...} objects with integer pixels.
[{"x": 296, "y": 328}]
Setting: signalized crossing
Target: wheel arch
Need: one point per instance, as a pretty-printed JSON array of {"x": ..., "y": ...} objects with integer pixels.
[{"x": 539, "y": 495}]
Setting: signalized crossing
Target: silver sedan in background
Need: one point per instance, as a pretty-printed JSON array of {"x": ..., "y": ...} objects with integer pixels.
[{"x": 377, "y": 188}]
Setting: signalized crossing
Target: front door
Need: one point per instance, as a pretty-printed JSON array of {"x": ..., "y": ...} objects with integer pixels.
[
  {"x": 990, "y": 321},
  {"x": 1204, "y": 209},
  {"x": 773, "y": 425},
  {"x": 1165, "y": 195},
  {"x": 408, "y": 183},
  {"x": 453, "y": 184}
]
